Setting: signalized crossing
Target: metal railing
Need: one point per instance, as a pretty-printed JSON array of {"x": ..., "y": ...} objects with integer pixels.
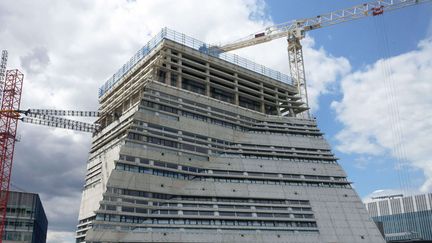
[{"x": 200, "y": 46}]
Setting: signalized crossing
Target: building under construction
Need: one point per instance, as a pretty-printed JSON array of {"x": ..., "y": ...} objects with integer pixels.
[{"x": 199, "y": 146}]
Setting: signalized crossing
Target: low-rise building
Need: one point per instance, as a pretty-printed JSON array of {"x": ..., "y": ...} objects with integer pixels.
[
  {"x": 26, "y": 221},
  {"x": 403, "y": 219}
]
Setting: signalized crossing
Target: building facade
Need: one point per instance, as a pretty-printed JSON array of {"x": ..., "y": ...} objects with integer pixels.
[
  {"x": 198, "y": 146},
  {"x": 404, "y": 219},
  {"x": 26, "y": 221}
]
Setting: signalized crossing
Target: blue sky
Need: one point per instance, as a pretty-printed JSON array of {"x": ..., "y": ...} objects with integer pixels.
[
  {"x": 357, "y": 40},
  {"x": 357, "y": 72},
  {"x": 362, "y": 42}
]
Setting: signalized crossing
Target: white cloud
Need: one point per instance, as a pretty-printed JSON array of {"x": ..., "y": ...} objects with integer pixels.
[
  {"x": 382, "y": 193},
  {"x": 322, "y": 70},
  {"x": 363, "y": 162},
  {"x": 385, "y": 110},
  {"x": 61, "y": 237},
  {"x": 67, "y": 49}
]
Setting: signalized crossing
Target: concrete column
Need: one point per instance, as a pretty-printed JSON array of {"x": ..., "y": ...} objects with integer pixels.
[
  {"x": 207, "y": 81},
  {"x": 168, "y": 66},
  {"x": 291, "y": 111},
  {"x": 262, "y": 98},
  {"x": 236, "y": 93},
  {"x": 179, "y": 77},
  {"x": 277, "y": 102}
]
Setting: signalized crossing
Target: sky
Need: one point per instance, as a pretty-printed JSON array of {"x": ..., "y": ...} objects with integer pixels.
[{"x": 368, "y": 82}]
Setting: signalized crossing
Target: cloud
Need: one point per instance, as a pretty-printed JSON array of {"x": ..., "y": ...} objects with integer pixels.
[
  {"x": 36, "y": 61},
  {"x": 322, "y": 70},
  {"x": 363, "y": 162},
  {"x": 68, "y": 49},
  {"x": 52, "y": 162},
  {"x": 60, "y": 236},
  {"x": 381, "y": 193},
  {"x": 385, "y": 110}
]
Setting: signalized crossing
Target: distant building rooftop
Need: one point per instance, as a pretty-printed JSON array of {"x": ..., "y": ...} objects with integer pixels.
[{"x": 403, "y": 219}]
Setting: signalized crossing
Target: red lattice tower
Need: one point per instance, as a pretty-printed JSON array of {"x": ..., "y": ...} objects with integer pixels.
[{"x": 8, "y": 127}]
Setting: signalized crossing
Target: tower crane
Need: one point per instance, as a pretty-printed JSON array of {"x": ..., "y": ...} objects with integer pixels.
[
  {"x": 10, "y": 114},
  {"x": 11, "y": 84},
  {"x": 55, "y": 118},
  {"x": 295, "y": 30}
]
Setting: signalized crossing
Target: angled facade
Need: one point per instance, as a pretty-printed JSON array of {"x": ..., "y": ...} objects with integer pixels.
[{"x": 198, "y": 146}]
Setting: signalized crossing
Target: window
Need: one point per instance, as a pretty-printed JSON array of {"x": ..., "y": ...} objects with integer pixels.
[
  {"x": 227, "y": 214},
  {"x": 171, "y": 166},
  {"x": 174, "y": 78},
  {"x": 242, "y": 223},
  {"x": 267, "y": 215},
  {"x": 128, "y": 209},
  {"x": 159, "y": 164},
  {"x": 206, "y": 213},
  {"x": 190, "y": 212},
  {"x": 193, "y": 86},
  {"x": 111, "y": 207},
  {"x": 141, "y": 210}
]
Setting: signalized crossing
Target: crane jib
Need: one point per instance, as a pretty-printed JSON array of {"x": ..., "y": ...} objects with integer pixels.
[{"x": 295, "y": 30}]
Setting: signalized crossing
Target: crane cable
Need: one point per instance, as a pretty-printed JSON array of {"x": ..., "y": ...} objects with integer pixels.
[
  {"x": 18, "y": 188},
  {"x": 397, "y": 132},
  {"x": 391, "y": 107}
]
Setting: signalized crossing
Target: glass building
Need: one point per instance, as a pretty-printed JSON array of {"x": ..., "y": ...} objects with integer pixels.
[
  {"x": 403, "y": 219},
  {"x": 26, "y": 221}
]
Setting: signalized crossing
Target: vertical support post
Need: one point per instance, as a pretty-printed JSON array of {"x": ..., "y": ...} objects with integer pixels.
[
  {"x": 207, "y": 80},
  {"x": 168, "y": 67},
  {"x": 289, "y": 102},
  {"x": 8, "y": 127},
  {"x": 278, "y": 112},
  {"x": 3, "y": 63},
  {"x": 180, "y": 71},
  {"x": 262, "y": 104},
  {"x": 236, "y": 90},
  {"x": 296, "y": 64}
]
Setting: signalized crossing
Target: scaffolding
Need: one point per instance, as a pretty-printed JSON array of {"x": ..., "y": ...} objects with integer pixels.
[{"x": 200, "y": 46}]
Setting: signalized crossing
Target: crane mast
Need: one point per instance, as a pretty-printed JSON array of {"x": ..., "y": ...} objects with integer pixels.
[
  {"x": 3, "y": 62},
  {"x": 8, "y": 127},
  {"x": 10, "y": 114},
  {"x": 296, "y": 66},
  {"x": 295, "y": 30}
]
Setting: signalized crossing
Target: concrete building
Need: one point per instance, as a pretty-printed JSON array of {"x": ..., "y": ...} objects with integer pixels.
[
  {"x": 198, "y": 146},
  {"x": 403, "y": 219},
  {"x": 26, "y": 221}
]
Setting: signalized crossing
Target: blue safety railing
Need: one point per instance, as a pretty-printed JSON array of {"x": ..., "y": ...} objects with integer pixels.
[{"x": 195, "y": 44}]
